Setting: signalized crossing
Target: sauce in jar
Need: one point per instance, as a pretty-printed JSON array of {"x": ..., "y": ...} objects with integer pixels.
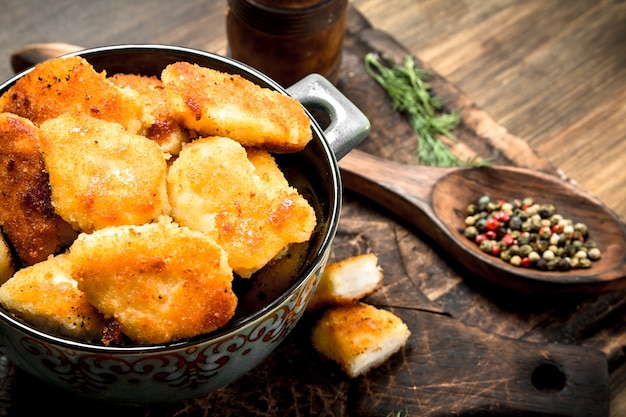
[{"x": 287, "y": 39}]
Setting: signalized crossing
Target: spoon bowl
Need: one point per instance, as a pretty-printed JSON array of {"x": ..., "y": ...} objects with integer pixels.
[{"x": 435, "y": 200}]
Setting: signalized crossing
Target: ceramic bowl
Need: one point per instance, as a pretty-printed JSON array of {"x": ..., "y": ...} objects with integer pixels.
[{"x": 148, "y": 374}]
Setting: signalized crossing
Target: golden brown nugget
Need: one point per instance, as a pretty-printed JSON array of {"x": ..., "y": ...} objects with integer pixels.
[
  {"x": 268, "y": 171},
  {"x": 216, "y": 103},
  {"x": 157, "y": 122},
  {"x": 26, "y": 214},
  {"x": 70, "y": 85},
  {"x": 47, "y": 296},
  {"x": 214, "y": 188},
  {"x": 159, "y": 281},
  {"x": 7, "y": 266},
  {"x": 102, "y": 175},
  {"x": 346, "y": 281},
  {"x": 359, "y": 336}
]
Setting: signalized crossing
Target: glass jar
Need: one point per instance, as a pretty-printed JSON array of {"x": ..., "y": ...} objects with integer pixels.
[{"x": 288, "y": 39}]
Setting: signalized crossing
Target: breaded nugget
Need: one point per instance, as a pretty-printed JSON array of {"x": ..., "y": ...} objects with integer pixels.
[
  {"x": 102, "y": 175},
  {"x": 46, "y": 296},
  {"x": 157, "y": 120},
  {"x": 268, "y": 171},
  {"x": 359, "y": 336},
  {"x": 216, "y": 103},
  {"x": 159, "y": 281},
  {"x": 7, "y": 266},
  {"x": 26, "y": 214},
  {"x": 213, "y": 188},
  {"x": 70, "y": 85},
  {"x": 348, "y": 280}
]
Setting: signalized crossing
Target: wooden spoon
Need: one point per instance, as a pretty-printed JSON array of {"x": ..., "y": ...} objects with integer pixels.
[
  {"x": 435, "y": 200},
  {"x": 35, "y": 53}
]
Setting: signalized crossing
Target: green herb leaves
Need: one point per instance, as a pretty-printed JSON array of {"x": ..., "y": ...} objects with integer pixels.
[{"x": 410, "y": 94}]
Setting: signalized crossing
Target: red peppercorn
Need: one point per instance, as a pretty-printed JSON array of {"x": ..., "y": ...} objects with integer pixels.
[
  {"x": 491, "y": 235},
  {"x": 508, "y": 239},
  {"x": 525, "y": 262},
  {"x": 557, "y": 228},
  {"x": 502, "y": 216},
  {"x": 492, "y": 223},
  {"x": 480, "y": 238},
  {"x": 495, "y": 250}
]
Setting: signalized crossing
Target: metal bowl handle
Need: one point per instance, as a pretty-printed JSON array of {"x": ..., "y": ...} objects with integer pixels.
[{"x": 348, "y": 125}]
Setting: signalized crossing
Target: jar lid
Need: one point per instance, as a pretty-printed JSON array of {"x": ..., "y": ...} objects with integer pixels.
[{"x": 288, "y": 21}]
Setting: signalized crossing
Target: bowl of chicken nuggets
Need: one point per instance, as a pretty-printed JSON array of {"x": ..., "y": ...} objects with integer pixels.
[{"x": 166, "y": 217}]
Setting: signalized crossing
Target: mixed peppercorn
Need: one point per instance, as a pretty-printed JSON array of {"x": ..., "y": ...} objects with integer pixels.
[{"x": 531, "y": 235}]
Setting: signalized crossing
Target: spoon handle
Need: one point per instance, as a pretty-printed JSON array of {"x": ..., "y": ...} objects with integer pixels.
[
  {"x": 36, "y": 53},
  {"x": 403, "y": 189}
]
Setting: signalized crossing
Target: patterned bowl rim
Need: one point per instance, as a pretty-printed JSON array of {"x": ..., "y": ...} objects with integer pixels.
[{"x": 239, "y": 323}]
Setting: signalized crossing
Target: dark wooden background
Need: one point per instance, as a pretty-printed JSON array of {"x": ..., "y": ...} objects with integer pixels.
[{"x": 550, "y": 72}]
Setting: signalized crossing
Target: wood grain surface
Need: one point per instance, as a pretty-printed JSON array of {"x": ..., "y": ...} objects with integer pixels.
[{"x": 551, "y": 74}]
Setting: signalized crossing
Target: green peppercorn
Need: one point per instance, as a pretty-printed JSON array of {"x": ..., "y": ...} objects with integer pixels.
[
  {"x": 524, "y": 250},
  {"x": 471, "y": 232},
  {"x": 542, "y": 245},
  {"x": 594, "y": 254},
  {"x": 582, "y": 228},
  {"x": 534, "y": 256},
  {"x": 521, "y": 214},
  {"x": 552, "y": 264},
  {"x": 484, "y": 200},
  {"x": 485, "y": 246},
  {"x": 555, "y": 219},
  {"x": 471, "y": 209},
  {"x": 581, "y": 254},
  {"x": 493, "y": 206}
]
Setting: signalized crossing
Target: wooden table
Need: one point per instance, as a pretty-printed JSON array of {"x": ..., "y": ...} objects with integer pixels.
[{"x": 550, "y": 73}]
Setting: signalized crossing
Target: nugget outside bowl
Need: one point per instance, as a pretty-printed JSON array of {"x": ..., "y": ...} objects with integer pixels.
[{"x": 148, "y": 374}]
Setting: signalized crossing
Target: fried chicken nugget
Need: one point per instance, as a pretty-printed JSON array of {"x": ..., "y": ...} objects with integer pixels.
[
  {"x": 71, "y": 85},
  {"x": 347, "y": 281},
  {"x": 359, "y": 336},
  {"x": 216, "y": 103},
  {"x": 160, "y": 281},
  {"x": 158, "y": 123},
  {"x": 102, "y": 175},
  {"x": 7, "y": 266},
  {"x": 215, "y": 189},
  {"x": 26, "y": 214},
  {"x": 47, "y": 296}
]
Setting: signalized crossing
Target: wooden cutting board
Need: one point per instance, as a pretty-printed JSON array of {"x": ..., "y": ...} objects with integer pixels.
[{"x": 474, "y": 349}]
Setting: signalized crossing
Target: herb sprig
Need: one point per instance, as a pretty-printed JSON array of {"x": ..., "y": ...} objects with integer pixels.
[{"x": 410, "y": 94}]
